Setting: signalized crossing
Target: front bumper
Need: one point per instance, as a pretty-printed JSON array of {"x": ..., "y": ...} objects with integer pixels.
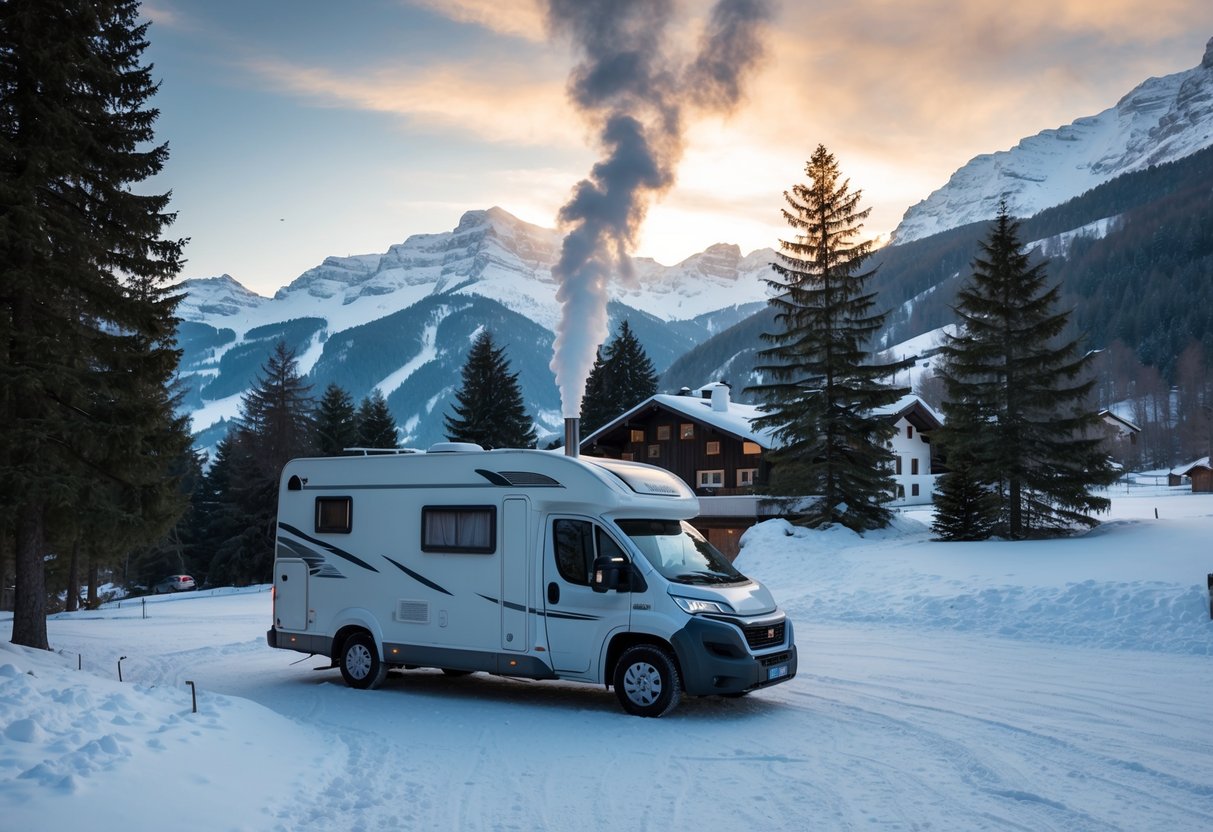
[{"x": 715, "y": 659}]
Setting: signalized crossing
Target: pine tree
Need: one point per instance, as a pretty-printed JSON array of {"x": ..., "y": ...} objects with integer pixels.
[
  {"x": 825, "y": 391},
  {"x": 375, "y": 424},
  {"x": 965, "y": 507},
  {"x": 488, "y": 409},
  {"x": 275, "y": 426},
  {"x": 596, "y": 406},
  {"x": 336, "y": 422},
  {"x": 86, "y": 318},
  {"x": 621, "y": 378},
  {"x": 1017, "y": 392}
]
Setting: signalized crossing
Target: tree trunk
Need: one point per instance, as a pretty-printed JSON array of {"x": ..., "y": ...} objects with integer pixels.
[
  {"x": 72, "y": 602},
  {"x": 91, "y": 557},
  {"x": 29, "y": 612}
]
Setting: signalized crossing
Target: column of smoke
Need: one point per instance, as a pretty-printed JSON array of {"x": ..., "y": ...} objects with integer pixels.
[{"x": 628, "y": 83}]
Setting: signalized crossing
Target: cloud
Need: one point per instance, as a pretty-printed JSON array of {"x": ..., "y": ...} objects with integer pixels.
[
  {"x": 501, "y": 105},
  {"x": 520, "y": 18}
]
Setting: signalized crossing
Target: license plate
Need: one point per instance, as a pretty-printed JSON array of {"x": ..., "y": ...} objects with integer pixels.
[{"x": 777, "y": 672}]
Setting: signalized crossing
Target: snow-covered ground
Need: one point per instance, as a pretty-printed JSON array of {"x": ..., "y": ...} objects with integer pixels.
[{"x": 1060, "y": 685}]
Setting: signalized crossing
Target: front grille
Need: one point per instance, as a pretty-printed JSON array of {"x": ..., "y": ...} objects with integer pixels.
[{"x": 759, "y": 636}]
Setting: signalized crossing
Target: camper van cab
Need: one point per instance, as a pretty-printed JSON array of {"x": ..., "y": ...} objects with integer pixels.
[{"x": 517, "y": 563}]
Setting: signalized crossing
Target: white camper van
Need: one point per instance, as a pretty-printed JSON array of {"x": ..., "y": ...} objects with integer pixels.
[{"x": 517, "y": 563}]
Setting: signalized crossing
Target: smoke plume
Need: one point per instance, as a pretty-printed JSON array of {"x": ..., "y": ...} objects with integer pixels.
[{"x": 639, "y": 94}]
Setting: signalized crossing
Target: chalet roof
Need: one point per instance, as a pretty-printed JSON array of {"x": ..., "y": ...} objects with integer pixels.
[
  {"x": 1186, "y": 469},
  {"x": 915, "y": 410},
  {"x": 737, "y": 420},
  {"x": 1112, "y": 416}
]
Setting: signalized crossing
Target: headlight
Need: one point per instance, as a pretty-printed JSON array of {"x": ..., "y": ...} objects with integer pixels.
[{"x": 696, "y": 605}]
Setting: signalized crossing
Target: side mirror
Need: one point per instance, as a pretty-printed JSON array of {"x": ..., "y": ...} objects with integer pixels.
[{"x": 610, "y": 572}]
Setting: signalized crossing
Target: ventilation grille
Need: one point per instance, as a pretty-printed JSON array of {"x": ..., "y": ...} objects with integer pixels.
[
  {"x": 521, "y": 478},
  {"x": 413, "y": 612},
  {"x": 764, "y": 635}
]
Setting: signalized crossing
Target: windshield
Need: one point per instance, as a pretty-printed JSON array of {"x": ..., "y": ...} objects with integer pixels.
[{"x": 679, "y": 552}]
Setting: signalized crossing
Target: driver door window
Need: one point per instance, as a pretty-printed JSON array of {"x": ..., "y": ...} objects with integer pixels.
[{"x": 577, "y": 543}]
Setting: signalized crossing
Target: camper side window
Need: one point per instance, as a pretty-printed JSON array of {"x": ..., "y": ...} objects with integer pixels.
[
  {"x": 459, "y": 529},
  {"x": 334, "y": 515},
  {"x": 575, "y": 549}
]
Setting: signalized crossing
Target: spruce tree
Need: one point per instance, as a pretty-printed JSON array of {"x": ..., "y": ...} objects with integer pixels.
[
  {"x": 825, "y": 388},
  {"x": 375, "y": 424},
  {"x": 488, "y": 409},
  {"x": 1017, "y": 394},
  {"x": 86, "y": 318},
  {"x": 596, "y": 406},
  {"x": 965, "y": 507},
  {"x": 275, "y": 426},
  {"x": 621, "y": 378},
  {"x": 336, "y": 422}
]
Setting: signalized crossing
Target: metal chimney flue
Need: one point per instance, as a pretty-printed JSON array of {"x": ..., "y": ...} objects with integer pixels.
[{"x": 572, "y": 437}]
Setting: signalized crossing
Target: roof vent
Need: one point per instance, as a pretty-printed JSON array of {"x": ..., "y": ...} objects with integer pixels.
[{"x": 454, "y": 448}]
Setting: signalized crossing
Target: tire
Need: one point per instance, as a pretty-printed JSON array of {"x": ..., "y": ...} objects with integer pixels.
[
  {"x": 361, "y": 666},
  {"x": 647, "y": 681}
]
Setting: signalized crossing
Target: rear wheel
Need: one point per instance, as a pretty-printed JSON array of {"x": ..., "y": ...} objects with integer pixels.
[
  {"x": 360, "y": 663},
  {"x": 647, "y": 681}
]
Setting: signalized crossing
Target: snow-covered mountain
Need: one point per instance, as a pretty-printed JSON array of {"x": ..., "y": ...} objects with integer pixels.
[
  {"x": 1161, "y": 120},
  {"x": 401, "y": 321}
]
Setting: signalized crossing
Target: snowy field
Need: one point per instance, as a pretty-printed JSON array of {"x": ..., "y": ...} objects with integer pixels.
[{"x": 1062, "y": 685}]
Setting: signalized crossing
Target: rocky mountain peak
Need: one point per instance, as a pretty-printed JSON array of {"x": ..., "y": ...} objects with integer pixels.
[{"x": 1160, "y": 120}]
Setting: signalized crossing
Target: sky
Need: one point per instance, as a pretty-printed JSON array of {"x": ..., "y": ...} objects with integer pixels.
[{"x": 302, "y": 129}]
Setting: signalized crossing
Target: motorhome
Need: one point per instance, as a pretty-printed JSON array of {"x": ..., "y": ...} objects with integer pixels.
[{"x": 519, "y": 563}]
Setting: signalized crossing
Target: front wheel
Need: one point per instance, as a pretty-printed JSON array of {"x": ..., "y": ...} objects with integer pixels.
[
  {"x": 361, "y": 666},
  {"x": 647, "y": 681}
]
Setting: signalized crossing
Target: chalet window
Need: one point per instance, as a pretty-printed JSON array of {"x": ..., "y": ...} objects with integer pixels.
[
  {"x": 909, "y": 431},
  {"x": 713, "y": 449},
  {"x": 914, "y": 490},
  {"x": 914, "y": 466},
  {"x": 686, "y": 430},
  {"x": 663, "y": 433},
  {"x": 627, "y": 455},
  {"x": 654, "y": 451},
  {"x": 745, "y": 477},
  {"x": 709, "y": 479},
  {"x": 334, "y": 515},
  {"x": 898, "y": 465},
  {"x": 750, "y": 448},
  {"x": 459, "y": 529},
  {"x": 638, "y": 437}
]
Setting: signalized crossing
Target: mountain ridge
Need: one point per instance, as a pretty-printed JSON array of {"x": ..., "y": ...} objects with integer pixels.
[{"x": 1160, "y": 120}]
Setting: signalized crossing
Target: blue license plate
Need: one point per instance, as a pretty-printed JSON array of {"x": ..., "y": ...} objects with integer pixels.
[{"x": 777, "y": 672}]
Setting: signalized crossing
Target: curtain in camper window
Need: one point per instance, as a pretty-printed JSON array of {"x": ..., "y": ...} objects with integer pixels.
[{"x": 470, "y": 529}]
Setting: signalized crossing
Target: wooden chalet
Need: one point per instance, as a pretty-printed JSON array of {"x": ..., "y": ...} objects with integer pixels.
[
  {"x": 707, "y": 440},
  {"x": 711, "y": 443},
  {"x": 1199, "y": 473}
]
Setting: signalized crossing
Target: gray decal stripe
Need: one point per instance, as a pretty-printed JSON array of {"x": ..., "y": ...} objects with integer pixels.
[
  {"x": 509, "y": 605},
  {"x": 328, "y": 546},
  {"x": 416, "y": 577},
  {"x": 571, "y": 616}
]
